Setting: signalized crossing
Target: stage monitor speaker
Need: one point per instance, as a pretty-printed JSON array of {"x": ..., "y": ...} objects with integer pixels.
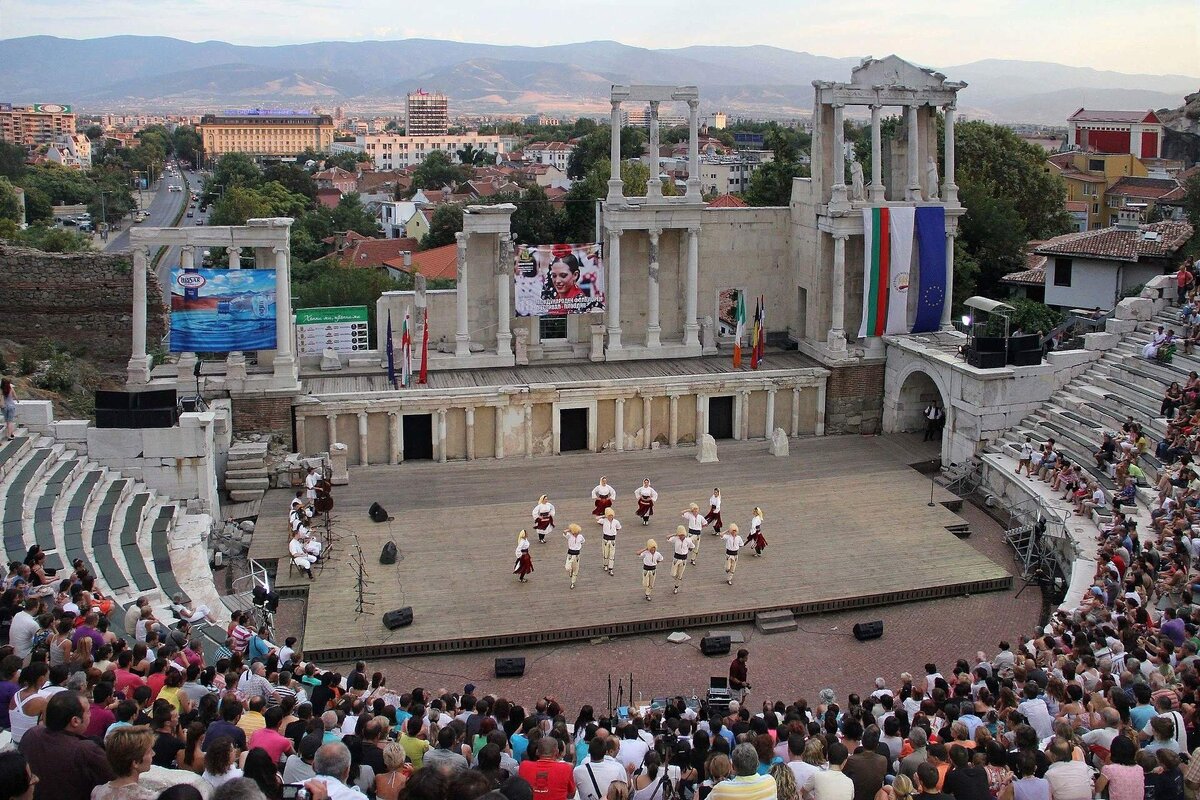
[
  {"x": 868, "y": 630},
  {"x": 115, "y": 400},
  {"x": 510, "y": 667},
  {"x": 1025, "y": 358},
  {"x": 986, "y": 360},
  {"x": 159, "y": 398},
  {"x": 1026, "y": 341},
  {"x": 715, "y": 645},
  {"x": 388, "y": 554},
  {"x": 398, "y": 618},
  {"x": 114, "y": 417},
  {"x": 378, "y": 513},
  {"x": 155, "y": 417}
]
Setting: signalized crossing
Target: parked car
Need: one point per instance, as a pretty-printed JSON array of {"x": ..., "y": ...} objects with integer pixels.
[{"x": 190, "y": 215}]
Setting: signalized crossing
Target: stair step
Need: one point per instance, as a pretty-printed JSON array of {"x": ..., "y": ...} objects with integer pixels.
[
  {"x": 245, "y": 496},
  {"x": 775, "y": 626},
  {"x": 249, "y": 450},
  {"x": 248, "y": 484},
  {"x": 240, "y": 474},
  {"x": 245, "y": 463}
]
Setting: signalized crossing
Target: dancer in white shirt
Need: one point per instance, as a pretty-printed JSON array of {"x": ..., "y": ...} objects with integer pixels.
[
  {"x": 651, "y": 558},
  {"x": 756, "y": 535},
  {"x": 524, "y": 562},
  {"x": 646, "y": 497},
  {"x": 713, "y": 517},
  {"x": 683, "y": 547},
  {"x": 610, "y": 526},
  {"x": 575, "y": 540},
  {"x": 733, "y": 543},
  {"x": 543, "y": 518},
  {"x": 604, "y": 495},
  {"x": 695, "y": 524}
]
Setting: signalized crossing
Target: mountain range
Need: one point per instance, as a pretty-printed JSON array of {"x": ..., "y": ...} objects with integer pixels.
[{"x": 166, "y": 74}]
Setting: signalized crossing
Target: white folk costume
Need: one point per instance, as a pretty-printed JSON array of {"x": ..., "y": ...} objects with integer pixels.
[
  {"x": 713, "y": 517},
  {"x": 1156, "y": 341},
  {"x": 646, "y": 497},
  {"x": 756, "y": 537},
  {"x": 733, "y": 543},
  {"x": 695, "y": 522},
  {"x": 575, "y": 540},
  {"x": 310, "y": 485},
  {"x": 300, "y": 557},
  {"x": 543, "y": 518},
  {"x": 604, "y": 495},
  {"x": 299, "y": 517},
  {"x": 524, "y": 561},
  {"x": 683, "y": 548},
  {"x": 651, "y": 558},
  {"x": 609, "y": 526}
]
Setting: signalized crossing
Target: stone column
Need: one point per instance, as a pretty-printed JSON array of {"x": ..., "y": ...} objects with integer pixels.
[
  {"x": 235, "y": 361},
  {"x": 528, "y": 430},
  {"x": 701, "y": 416},
  {"x": 913, "y": 155},
  {"x": 647, "y": 410},
  {"x": 462, "y": 334},
  {"x": 838, "y": 194},
  {"x": 331, "y": 428},
  {"x": 744, "y": 421},
  {"x": 499, "y": 420},
  {"x": 820, "y": 430},
  {"x": 395, "y": 445},
  {"x": 949, "y": 187},
  {"x": 795, "y": 411},
  {"x": 878, "y": 192},
  {"x": 616, "y": 189},
  {"x": 654, "y": 184},
  {"x": 420, "y": 300},
  {"x": 285, "y": 362},
  {"x": 836, "y": 338},
  {"x": 186, "y": 362},
  {"x": 694, "y": 189},
  {"x": 364, "y": 439},
  {"x": 673, "y": 429},
  {"x": 691, "y": 327},
  {"x": 441, "y": 435},
  {"x": 619, "y": 424},
  {"x": 137, "y": 372},
  {"x": 470, "y": 433},
  {"x": 769, "y": 425},
  {"x": 613, "y": 298},
  {"x": 300, "y": 443},
  {"x": 653, "y": 330},
  {"x": 504, "y": 272},
  {"x": 948, "y": 302}
]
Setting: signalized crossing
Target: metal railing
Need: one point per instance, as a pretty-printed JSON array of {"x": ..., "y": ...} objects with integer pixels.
[{"x": 1068, "y": 334}]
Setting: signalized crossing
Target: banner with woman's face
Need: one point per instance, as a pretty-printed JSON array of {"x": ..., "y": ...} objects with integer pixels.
[{"x": 558, "y": 279}]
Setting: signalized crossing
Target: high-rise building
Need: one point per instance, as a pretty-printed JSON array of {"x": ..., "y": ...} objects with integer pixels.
[
  {"x": 265, "y": 133},
  {"x": 428, "y": 114},
  {"x": 40, "y": 123}
]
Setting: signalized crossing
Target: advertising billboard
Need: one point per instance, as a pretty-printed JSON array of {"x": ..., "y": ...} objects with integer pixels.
[
  {"x": 219, "y": 310},
  {"x": 558, "y": 279},
  {"x": 344, "y": 328}
]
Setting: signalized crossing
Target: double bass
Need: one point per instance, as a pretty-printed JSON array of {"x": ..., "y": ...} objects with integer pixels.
[{"x": 323, "y": 503}]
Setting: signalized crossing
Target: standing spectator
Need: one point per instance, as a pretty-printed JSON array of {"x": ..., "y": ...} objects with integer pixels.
[
  {"x": 1183, "y": 279},
  {"x": 739, "y": 685},
  {"x": 9, "y": 396},
  {"x": 747, "y": 784},
  {"x": 68, "y": 766},
  {"x": 130, "y": 753}
]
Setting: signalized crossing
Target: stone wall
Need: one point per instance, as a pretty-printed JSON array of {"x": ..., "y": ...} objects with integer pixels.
[
  {"x": 264, "y": 415},
  {"x": 854, "y": 399},
  {"x": 81, "y": 301}
]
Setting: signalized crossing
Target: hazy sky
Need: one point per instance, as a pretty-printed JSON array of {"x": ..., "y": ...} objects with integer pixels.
[{"x": 1150, "y": 36}]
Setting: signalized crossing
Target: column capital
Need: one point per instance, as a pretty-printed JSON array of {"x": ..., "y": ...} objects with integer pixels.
[
  {"x": 620, "y": 400},
  {"x": 443, "y": 410},
  {"x": 393, "y": 414},
  {"x": 673, "y": 395},
  {"x": 840, "y": 235},
  {"x": 277, "y": 249},
  {"x": 876, "y": 106},
  {"x": 616, "y": 105},
  {"x": 693, "y": 230},
  {"x": 654, "y": 232},
  {"x": 361, "y": 414},
  {"x": 694, "y": 103},
  {"x": 837, "y": 104},
  {"x": 953, "y": 106},
  {"x": 331, "y": 417}
]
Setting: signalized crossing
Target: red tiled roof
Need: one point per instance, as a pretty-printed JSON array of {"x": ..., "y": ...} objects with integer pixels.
[
  {"x": 1077, "y": 205},
  {"x": 1084, "y": 115},
  {"x": 329, "y": 197},
  {"x": 348, "y": 236},
  {"x": 332, "y": 174},
  {"x": 1034, "y": 273},
  {"x": 374, "y": 252},
  {"x": 436, "y": 264},
  {"x": 1086, "y": 177},
  {"x": 1121, "y": 244},
  {"x": 1150, "y": 188},
  {"x": 728, "y": 201}
]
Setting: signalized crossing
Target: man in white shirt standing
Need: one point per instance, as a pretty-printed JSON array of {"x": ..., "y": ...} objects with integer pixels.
[
  {"x": 610, "y": 526},
  {"x": 733, "y": 543},
  {"x": 651, "y": 558},
  {"x": 594, "y": 776},
  {"x": 683, "y": 546},
  {"x": 575, "y": 540}
]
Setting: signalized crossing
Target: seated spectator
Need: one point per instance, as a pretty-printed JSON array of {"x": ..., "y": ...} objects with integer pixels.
[
  {"x": 220, "y": 760},
  {"x": 747, "y": 784},
  {"x": 1069, "y": 779},
  {"x": 17, "y": 781},
  {"x": 130, "y": 753},
  {"x": 68, "y": 766}
]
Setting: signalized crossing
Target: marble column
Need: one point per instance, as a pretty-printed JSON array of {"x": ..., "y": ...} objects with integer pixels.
[
  {"x": 744, "y": 402},
  {"x": 528, "y": 430},
  {"x": 301, "y": 445},
  {"x": 948, "y": 301},
  {"x": 395, "y": 445},
  {"x": 235, "y": 360},
  {"x": 186, "y": 362},
  {"x": 331, "y": 430},
  {"x": 654, "y": 184},
  {"x": 647, "y": 410},
  {"x": 878, "y": 191},
  {"x": 441, "y": 436},
  {"x": 285, "y": 362},
  {"x": 138, "y": 370},
  {"x": 691, "y": 327},
  {"x": 613, "y": 296},
  {"x": 364, "y": 439},
  {"x": 462, "y": 333},
  {"x": 795, "y": 411},
  {"x": 499, "y": 421},
  {"x": 913, "y": 154},
  {"x": 653, "y": 329},
  {"x": 949, "y": 187},
  {"x": 470, "y": 433},
  {"x": 836, "y": 338},
  {"x": 694, "y": 188},
  {"x": 820, "y": 430},
  {"x": 838, "y": 193},
  {"x": 701, "y": 416},
  {"x": 504, "y": 280},
  {"x": 616, "y": 189},
  {"x": 673, "y": 429},
  {"x": 619, "y": 424},
  {"x": 769, "y": 424}
]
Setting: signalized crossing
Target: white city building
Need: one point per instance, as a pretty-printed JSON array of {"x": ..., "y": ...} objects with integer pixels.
[{"x": 393, "y": 151}]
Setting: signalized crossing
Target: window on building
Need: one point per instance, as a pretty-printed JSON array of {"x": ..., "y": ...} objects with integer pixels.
[
  {"x": 1115, "y": 201},
  {"x": 1095, "y": 208},
  {"x": 1062, "y": 271},
  {"x": 1096, "y": 164},
  {"x": 552, "y": 327}
]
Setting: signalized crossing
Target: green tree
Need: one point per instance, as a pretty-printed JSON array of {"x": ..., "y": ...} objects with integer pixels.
[
  {"x": 1191, "y": 200},
  {"x": 474, "y": 156},
  {"x": 282, "y": 202},
  {"x": 239, "y": 204},
  {"x": 232, "y": 169},
  {"x": 993, "y": 233},
  {"x": 436, "y": 171},
  {"x": 596, "y": 146},
  {"x": 579, "y": 213},
  {"x": 94, "y": 132},
  {"x": 351, "y": 215},
  {"x": 340, "y": 286},
  {"x": 536, "y": 221},
  {"x": 346, "y": 161},
  {"x": 10, "y": 205},
  {"x": 292, "y": 178},
  {"x": 64, "y": 186},
  {"x": 12, "y": 160},
  {"x": 771, "y": 183},
  {"x": 111, "y": 200},
  {"x": 185, "y": 141},
  {"x": 38, "y": 207},
  {"x": 447, "y": 221},
  {"x": 53, "y": 240}
]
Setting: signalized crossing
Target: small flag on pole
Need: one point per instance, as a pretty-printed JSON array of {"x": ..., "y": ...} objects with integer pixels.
[
  {"x": 405, "y": 355},
  {"x": 391, "y": 353},
  {"x": 754, "y": 331},
  {"x": 424, "y": 377},
  {"x": 762, "y": 328},
  {"x": 740, "y": 331}
]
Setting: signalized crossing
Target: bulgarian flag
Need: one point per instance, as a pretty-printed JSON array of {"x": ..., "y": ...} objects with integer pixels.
[
  {"x": 740, "y": 317},
  {"x": 887, "y": 257},
  {"x": 755, "y": 332},
  {"x": 405, "y": 355}
]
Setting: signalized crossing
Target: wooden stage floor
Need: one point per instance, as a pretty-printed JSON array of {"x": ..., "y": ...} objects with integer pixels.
[{"x": 847, "y": 523}]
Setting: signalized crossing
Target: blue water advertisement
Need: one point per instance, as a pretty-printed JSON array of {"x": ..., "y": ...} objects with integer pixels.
[{"x": 219, "y": 310}]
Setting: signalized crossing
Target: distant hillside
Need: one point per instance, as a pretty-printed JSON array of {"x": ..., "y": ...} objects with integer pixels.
[{"x": 160, "y": 73}]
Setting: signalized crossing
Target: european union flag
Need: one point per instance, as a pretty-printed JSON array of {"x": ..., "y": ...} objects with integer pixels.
[{"x": 931, "y": 244}]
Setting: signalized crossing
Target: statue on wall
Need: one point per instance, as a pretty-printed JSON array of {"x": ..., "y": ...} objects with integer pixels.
[
  {"x": 931, "y": 179},
  {"x": 857, "y": 188}
]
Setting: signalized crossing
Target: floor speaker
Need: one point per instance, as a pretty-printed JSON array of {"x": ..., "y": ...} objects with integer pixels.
[
  {"x": 510, "y": 667},
  {"x": 715, "y": 645},
  {"x": 388, "y": 554},
  {"x": 378, "y": 513},
  {"x": 868, "y": 630},
  {"x": 398, "y": 618}
]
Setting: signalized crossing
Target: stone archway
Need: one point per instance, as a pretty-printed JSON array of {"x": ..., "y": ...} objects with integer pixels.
[{"x": 907, "y": 393}]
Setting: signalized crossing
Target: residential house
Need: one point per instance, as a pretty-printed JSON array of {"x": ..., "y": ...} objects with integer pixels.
[
  {"x": 1078, "y": 211},
  {"x": 555, "y": 154},
  {"x": 1139, "y": 194},
  {"x": 1031, "y": 281},
  {"x": 728, "y": 201},
  {"x": 543, "y": 175},
  {"x": 1136, "y": 133},
  {"x": 336, "y": 178},
  {"x": 1088, "y": 176},
  {"x": 440, "y": 263},
  {"x": 363, "y": 253},
  {"x": 329, "y": 197},
  {"x": 401, "y": 219}
]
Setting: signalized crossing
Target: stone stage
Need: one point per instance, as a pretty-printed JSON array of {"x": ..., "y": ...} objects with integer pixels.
[{"x": 847, "y": 521}]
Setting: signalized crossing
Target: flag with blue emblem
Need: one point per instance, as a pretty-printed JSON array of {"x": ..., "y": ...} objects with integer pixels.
[{"x": 932, "y": 268}]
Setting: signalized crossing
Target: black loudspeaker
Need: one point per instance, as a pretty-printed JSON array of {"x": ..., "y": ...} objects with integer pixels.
[
  {"x": 715, "y": 645},
  {"x": 155, "y": 417},
  {"x": 510, "y": 667},
  {"x": 114, "y": 418},
  {"x": 985, "y": 360},
  {"x": 990, "y": 344},
  {"x": 159, "y": 398},
  {"x": 378, "y": 513},
  {"x": 868, "y": 630},
  {"x": 1025, "y": 358},
  {"x": 398, "y": 618},
  {"x": 388, "y": 555}
]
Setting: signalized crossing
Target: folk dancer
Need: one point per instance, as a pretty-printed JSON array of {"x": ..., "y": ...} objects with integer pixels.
[
  {"x": 683, "y": 547},
  {"x": 604, "y": 495},
  {"x": 610, "y": 526},
  {"x": 756, "y": 535},
  {"x": 695, "y": 525},
  {"x": 543, "y": 518},
  {"x": 575, "y": 540},
  {"x": 651, "y": 558},
  {"x": 733, "y": 543},
  {"x": 646, "y": 497},
  {"x": 713, "y": 517},
  {"x": 300, "y": 557},
  {"x": 524, "y": 562},
  {"x": 310, "y": 484}
]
